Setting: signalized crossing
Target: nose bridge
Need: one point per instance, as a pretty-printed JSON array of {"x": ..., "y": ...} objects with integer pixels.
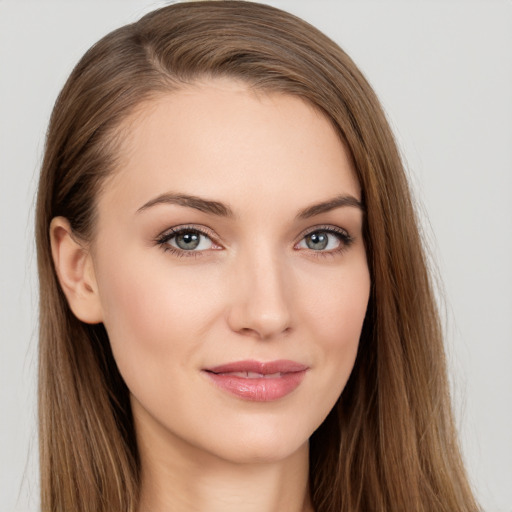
[{"x": 261, "y": 298}]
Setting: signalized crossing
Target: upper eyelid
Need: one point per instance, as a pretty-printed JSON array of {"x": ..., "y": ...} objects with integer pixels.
[
  {"x": 204, "y": 230},
  {"x": 324, "y": 227}
]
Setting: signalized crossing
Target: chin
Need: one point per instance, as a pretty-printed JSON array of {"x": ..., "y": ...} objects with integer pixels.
[{"x": 262, "y": 446}]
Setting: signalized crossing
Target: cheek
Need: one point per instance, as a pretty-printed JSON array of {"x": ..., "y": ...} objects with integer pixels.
[
  {"x": 335, "y": 319},
  {"x": 335, "y": 302},
  {"x": 152, "y": 316}
]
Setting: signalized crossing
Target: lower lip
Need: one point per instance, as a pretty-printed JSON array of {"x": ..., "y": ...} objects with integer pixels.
[{"x": 259, "y": 389}]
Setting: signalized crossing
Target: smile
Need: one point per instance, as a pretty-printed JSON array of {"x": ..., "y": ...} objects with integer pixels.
[{"x": 258, "y": 381}]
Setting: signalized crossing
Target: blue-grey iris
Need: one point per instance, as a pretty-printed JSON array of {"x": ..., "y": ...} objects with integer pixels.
[
  {"x": 188, "y": 240},
  {"x": 317, "y": 241}
]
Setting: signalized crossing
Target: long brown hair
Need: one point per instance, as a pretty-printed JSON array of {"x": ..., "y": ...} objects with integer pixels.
[{"x": 389, "y": 443}]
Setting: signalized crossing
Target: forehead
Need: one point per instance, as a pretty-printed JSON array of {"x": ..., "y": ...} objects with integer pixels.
[{"x": 221, "y": 139}]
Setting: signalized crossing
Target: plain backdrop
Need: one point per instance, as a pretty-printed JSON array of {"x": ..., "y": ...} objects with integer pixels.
[{"x": 443, "y": 70}]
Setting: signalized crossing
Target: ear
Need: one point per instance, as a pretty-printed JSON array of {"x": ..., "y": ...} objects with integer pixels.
[{"x": 75, "y": 272}]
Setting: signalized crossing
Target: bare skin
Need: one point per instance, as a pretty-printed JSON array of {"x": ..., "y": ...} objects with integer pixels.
[{"x": 214, "y": 485}]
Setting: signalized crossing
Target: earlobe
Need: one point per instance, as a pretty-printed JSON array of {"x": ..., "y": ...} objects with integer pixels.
[{"x": 75, "y": 272}]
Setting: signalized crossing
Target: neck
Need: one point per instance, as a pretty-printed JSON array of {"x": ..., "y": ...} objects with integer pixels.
[{"x": 178, "y": 477}]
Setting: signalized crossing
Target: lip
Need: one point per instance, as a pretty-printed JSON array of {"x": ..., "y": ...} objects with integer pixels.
[{"x": 262, "y": 382}]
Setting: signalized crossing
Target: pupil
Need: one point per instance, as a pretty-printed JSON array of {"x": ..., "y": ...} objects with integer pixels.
[
  {"x": 187, "y": 241},
  {"x": 317, "y": 241}
]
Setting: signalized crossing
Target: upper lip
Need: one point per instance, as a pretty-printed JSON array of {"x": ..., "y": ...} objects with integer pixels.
[{"x": 265, "y": 368}]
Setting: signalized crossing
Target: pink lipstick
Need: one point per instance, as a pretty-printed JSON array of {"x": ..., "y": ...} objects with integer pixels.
[{"x": 258, "y": 381}]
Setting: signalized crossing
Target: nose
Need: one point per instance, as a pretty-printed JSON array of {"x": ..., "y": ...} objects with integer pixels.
[{"x": 261, "y": 295}]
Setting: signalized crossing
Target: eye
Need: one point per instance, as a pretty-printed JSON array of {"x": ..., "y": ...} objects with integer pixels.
[
  {"x": 325, "y": 240},
  {"x": 183, "y": 239},
  {"x": 190, "y": 241}
]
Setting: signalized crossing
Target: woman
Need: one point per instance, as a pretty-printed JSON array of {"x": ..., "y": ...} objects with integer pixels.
[{"x": 236, "y": 309}]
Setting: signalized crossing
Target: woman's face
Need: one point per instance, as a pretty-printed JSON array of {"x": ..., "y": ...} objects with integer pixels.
[{"x": 231, "y": 270}]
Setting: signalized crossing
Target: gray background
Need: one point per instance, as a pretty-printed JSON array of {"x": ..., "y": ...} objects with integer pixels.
[{"x": 443, "y": 70}]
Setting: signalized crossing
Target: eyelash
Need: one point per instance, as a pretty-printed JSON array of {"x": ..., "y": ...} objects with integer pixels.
[
  {"x": 341, "y": 234},
  {"x": 163, "y": 240}
]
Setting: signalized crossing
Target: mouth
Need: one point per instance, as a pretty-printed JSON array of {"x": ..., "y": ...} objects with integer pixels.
[
  {"x": 253, "y": 375},
  {"x": 258, "y": 381}
]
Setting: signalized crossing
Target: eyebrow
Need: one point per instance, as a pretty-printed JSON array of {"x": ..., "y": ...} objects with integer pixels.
[
  {"x": 223, "y": 210},
  {"x": 330, "y": 204},
  {"x": 203, "y": 205}
]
